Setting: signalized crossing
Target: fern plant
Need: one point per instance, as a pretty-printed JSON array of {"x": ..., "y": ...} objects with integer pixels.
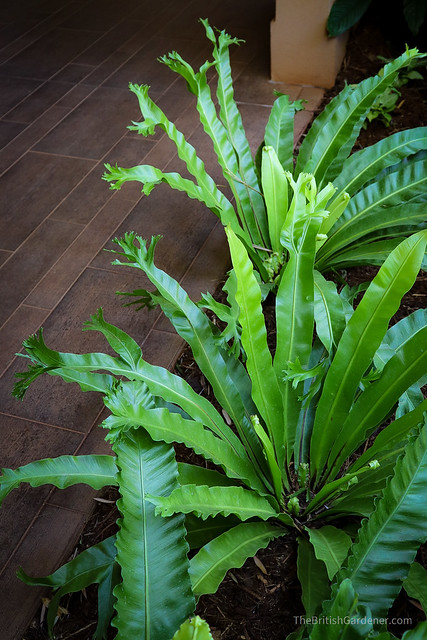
[
  {"x": 379, "y": 195},
  {"x": 285, "y": 445}
]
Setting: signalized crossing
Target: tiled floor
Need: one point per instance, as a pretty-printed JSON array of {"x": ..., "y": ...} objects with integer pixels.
[{"x": 64, "y": 106}]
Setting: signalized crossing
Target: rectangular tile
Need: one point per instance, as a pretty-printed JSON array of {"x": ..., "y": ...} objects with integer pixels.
[
  {"x": 180, "y": 241},
  {"x": 52, "y": 401},
  {"x": 73, "y": 72},
  {"x": 92, "y": 193},
  {"x": 24, "y": 269},
  {"x": 53, "y": 536},
  {"x": 24, "y": 322},
  {"x": 4, "y": 255},
  {"x": 23, "y": 443},
  {"x": 36, "y": 60},
  {"x": 13, "y": 90},
  {"x": 29, "y": 136},
  {"x": 39, "y": 101},
  {"x": 115, "y": 38},
  {"x": 144, "y": 68},
  {"x": 98, "y": 15},
  {"x": 254, "y": 118},
  {"x": 9, "y": 131},
  {"x": 313, "y": 97},
  {"x": 91, "y": 129},
  {"x": 207, "y": 269},
  {"x": 34, "y": 186},
  {"x": 260, "y": 90},
  {"x": 49, "y": 291}
]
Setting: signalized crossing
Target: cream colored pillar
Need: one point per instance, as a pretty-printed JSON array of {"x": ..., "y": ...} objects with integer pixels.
[{"x": 301, "y": 52}]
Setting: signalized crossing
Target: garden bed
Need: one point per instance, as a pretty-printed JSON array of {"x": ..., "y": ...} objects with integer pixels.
[{"x": 261, "y": 600}]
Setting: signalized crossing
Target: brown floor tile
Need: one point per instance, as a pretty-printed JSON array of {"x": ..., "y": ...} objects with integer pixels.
[
  {"x": 49, "y": 291},
  {"x": 144, "y": 68},
  {"x": 313, "y": 96},
  {"x": 29, "y": 136},
  {"x": 24, "y": 442},
  {"x": 52, "y": 401},
  {"x": 180, "y": 243},
  {"x": 36, "y": 61},
  {"x": 92, "y": 193},
  {"x": 93, "y": 127},
  {"x": 49, "y": 543},
  {"x": 107, "y": 69},
  {"x": 39, "y": 101},
  {"x": 163, "y": 348},
  {"x": 8, "y": 131},
  {"x": 302, "y": 120},
  {"x": 98, "y": 15},
  {"x": 75, "y": 96},
  {"x": 254, "y": 117},
  {"x": 257, "y": 91},
  {"x": 20, "y": 274},
  {"x": 13, "y": 90},
  {"x": 9, "y": 32},
  {"x": 4, "y": 255},
  {"x": 86, "y": 199},
  {"x": 204, "y": 272},
  {"x": 31, "y": 189},
  {"x": 73, "y": 72},
  {"x": 25, "y": 321},
  {"x": 116, "y": 37}
]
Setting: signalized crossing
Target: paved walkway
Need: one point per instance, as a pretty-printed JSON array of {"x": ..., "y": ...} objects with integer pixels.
[{"x": 64, "y": 106}]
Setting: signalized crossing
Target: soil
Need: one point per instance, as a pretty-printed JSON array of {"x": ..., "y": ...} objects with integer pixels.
[{"x": 261, "y": 601}]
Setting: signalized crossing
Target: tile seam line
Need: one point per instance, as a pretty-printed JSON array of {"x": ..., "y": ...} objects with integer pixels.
[
  {"x": 58, "y": 27},
  {"x": 23, "y": 536},
  {"x": 77, "y": 84},
  {"x": 96, "y": 162},
  {"x": 40, "y": 422},
  {"x": 41, "y": 23},
  {"x": 37, "y": 515},
  {"x": 74, "y": 242},
  {"x": 21, "y": 304}
]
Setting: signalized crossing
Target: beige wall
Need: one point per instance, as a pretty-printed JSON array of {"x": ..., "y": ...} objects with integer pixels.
[{"x": 301, "y": 52}]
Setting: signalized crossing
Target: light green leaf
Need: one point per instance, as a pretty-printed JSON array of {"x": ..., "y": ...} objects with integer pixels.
[
  {"x": 193, "y": 474},
  {"x": 162, "y": 425},
  {"x": 372, "y": 406},
  {"x": 206, "y": 501},
  {"x": 329, "y": 314},
  {"x": 366, "y": 164},
  {"x": 229, "y": 550},
  {"x": 360, "y": 340},
  {"x": 275, "y": 188},
  {"x": 252, "y": 203},
  {"x": 96, "y": 565},
  {"x": 229, "y": 380},
  {"x": 265, "y": 387},
  {"x": 155, "y": 595},
  {"x": 419, "y": 633},
  {"x": 313, "y": 578},
  {"x": 334, "y": 132},
  {"x": 65, "y": 471},
  {"x": 415, "y": 584},
  {"x": 279, "y": 131},
  {"x": 331, "y": 545},
  {"x": 193, "y": 629},
  {"x": 380, "y": 559},
  {"x": 343, "y": 617}
]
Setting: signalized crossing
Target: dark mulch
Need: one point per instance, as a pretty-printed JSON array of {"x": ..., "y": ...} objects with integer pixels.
[{"x": 261, "y": 600}]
